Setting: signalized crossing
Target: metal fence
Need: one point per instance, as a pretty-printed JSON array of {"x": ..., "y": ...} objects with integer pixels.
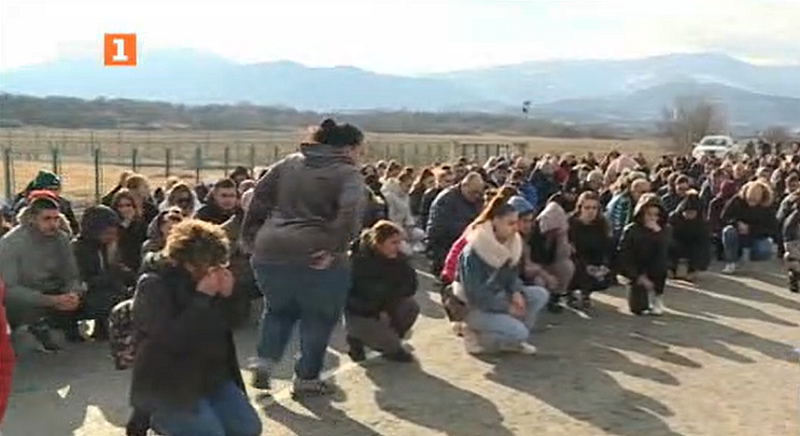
[{"x": 91, "y": 163}]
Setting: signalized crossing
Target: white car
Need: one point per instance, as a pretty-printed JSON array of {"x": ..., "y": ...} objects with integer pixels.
[{"x": 716, "y": 145}]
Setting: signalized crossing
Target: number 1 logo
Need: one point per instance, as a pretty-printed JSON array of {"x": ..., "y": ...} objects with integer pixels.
[{"x": 119, "y": 49}]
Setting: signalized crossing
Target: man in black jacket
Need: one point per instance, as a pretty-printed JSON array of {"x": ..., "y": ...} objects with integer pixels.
[{"x": 451, "y": 212}]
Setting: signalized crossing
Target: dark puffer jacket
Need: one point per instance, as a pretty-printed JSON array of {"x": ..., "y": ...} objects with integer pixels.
[
  {"x": 450, "y": 215},
  {"x": 379, "y": 283},
  {"x": 105, "y": 277},
  {"x": 185, "y": 347}
]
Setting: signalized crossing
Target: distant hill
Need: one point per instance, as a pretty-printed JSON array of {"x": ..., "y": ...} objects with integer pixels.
[
  {"x": 628, "y": 91},
  {"x": 644, "y": 106}
]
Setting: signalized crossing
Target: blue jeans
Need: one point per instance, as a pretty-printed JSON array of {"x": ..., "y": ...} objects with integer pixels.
[
  {"x": 496, "y": 331},
  {"x": 733, "y": 243},
  {"x": 227, "y": 412},
  {"x": 298, "y": 293}
]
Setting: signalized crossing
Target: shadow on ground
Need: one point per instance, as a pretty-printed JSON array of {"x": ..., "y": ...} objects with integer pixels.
[
  {"x": 573, "y": 373},
  {"x": 574, "y": 377},
  {"x": 412, "y": 395}
]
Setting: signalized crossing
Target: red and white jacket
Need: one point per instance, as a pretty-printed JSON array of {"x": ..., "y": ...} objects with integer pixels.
[{"x": 6, "y": 355}]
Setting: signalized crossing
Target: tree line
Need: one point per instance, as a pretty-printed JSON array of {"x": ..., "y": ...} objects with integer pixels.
[{"x": 103, "y": 113}]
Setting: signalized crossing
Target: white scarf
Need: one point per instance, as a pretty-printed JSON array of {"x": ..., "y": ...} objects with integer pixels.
[{"x": 492, "y": 251}]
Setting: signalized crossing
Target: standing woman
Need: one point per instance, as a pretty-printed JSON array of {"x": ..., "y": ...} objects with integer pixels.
[{"x": 305, "y": 211}]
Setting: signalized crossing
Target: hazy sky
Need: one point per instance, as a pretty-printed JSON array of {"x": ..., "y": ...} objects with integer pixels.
[{"x": 409, "y": 36}]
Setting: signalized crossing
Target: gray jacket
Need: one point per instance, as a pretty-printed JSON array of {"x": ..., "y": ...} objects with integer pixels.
[
  {"x": 308, "y": 202},
  {"x": 33, "y": 265}
]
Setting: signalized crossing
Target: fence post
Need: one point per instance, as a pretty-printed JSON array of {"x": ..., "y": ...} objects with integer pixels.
[
  {"x": 198, "y": 159},
  {"x": 168, "y": 162},
  {"x": 253, "y": 159},
  {"x": 226, "y": 159},
  {"x": 98, "y": 173},
  {"x": 7, "y": 174},
  {"x": 135, "y": 159},
  {"x": 56, "y": 158}
]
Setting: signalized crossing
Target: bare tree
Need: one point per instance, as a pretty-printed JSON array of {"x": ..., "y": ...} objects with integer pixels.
[
  {"x": 777, "y": 134},
  {"x": 688, "y": 120}
]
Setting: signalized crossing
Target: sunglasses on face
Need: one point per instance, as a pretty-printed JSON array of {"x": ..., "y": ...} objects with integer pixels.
[{"x": 173, "y": 218}]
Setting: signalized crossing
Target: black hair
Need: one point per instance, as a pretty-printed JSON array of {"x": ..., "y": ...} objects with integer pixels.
[{"x": 338, "y": 135}]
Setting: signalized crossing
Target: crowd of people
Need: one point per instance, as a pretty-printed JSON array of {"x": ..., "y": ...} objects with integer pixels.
[{"x": 320, "y": 237}]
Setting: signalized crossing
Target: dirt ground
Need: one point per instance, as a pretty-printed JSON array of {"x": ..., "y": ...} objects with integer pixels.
[{"x": 721, "y": 363}]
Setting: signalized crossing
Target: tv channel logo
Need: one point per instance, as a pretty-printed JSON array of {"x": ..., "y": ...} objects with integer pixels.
[{"x": 119, "y": 50}]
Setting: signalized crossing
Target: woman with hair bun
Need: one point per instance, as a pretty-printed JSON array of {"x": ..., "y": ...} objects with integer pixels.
[{"x": 305, "y": 211}]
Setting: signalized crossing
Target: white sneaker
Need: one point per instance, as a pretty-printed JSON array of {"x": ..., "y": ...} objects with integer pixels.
[
  {"x": 471, "y": 343},
  {"x": 527, "y": 349},
  {"x": 457, "y": 327},
  {"x": 729, "y": 268},
  {"x": 658, "y": 307}
]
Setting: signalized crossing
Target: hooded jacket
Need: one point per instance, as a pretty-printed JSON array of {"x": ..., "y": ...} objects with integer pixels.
[
  {"x": 379, "y": 283},
  {"x": 155, "y": 239},
  {"x": 33, "y": 264},
  {"x": 488, "y": 270},
  {"x": 397, "y": 201},
  {"x": 642, "y": 250},
  {"x": 99, "y": 265},
  {"x": 308, "y": 202},
  {"x": 185, "y": 348},
  {"x": 549, "y": 242},
  {"x": 689, "y": 233}
]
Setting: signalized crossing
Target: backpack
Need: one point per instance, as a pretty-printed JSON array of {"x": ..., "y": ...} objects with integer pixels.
[{"x": 121, "y": 335}]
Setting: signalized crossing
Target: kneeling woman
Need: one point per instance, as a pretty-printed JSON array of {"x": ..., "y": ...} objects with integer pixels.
[
  {"x": 502, "y": 311},
  {"x": 644, "y": 255},
  {"x": 380, "y": 306},
  {"x": 185, "y": 373},
  {"x": 590, "y": 234}
]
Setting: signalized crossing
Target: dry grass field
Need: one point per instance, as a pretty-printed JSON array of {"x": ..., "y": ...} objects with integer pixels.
[{"x": 31, "y": 150}]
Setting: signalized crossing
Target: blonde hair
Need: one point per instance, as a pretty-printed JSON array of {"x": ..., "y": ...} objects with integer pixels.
[
  {"x": 380, "y": 232},
  {"x": 767, "y": 195}
]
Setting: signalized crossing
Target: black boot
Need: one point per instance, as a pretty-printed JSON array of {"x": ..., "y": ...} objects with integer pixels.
[
  {"x": 138, "y": 424},
  {"x": 794, "y": 282},
  {"x": 554, "y": 304},
  {"x": 356, "y": 349},
  {"x": 41, "y": 331},
  {"x": 402, "y": 355}
]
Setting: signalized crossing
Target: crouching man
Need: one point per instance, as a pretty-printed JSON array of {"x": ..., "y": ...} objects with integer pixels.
[{"x": 42, "y": 280}]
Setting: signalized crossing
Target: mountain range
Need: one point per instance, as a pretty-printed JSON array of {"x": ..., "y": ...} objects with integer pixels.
[{"x": 605, "y": 91}]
